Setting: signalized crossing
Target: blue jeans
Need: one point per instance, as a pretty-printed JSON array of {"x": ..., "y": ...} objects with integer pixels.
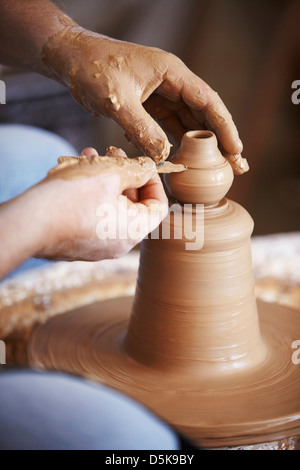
[
  {"x": 26, "y": 155},
  {"x": 52, "y": 411}
]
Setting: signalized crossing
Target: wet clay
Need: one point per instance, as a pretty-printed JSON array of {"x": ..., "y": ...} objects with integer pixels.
[
  {"x": 197, "y": 349},
  {"x": 131, "y": 170},
  {"x": 139, "y": 88},
  {"x": 108, "y": 58}
]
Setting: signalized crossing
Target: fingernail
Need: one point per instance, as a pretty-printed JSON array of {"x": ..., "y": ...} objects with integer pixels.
[{"x": 165, "y": 151}]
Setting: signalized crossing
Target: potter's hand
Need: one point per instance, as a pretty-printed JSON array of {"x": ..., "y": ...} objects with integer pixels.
[
  {"x": 136, "y": 85},
  {"x": 86, "y": 218},
  {"x": 95, "y": 218},
  {"x": 132, "y": 84}
]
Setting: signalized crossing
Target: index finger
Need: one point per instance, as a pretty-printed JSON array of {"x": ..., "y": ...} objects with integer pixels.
[{"x": 181, "y": 82}]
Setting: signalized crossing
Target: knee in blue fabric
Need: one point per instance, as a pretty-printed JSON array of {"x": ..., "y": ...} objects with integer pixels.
[{"x": 55, "y": 411}]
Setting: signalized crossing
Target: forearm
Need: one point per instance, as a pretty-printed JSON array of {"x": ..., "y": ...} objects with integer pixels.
[
  {"x": 25, "y": 28},
  {"x": 22, "y": 230}
]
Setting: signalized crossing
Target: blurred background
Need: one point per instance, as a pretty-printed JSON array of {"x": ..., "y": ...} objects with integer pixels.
[{"x": 247, "y": 51}]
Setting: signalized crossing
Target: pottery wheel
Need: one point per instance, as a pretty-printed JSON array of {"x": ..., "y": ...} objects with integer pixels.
[
  {"x": 194, "y": 347},
  {"x": 89, "y": 342}
]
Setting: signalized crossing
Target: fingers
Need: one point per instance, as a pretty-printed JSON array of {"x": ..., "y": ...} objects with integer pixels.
[
  {"x": 144, "y": 177},
  {"x": 134, "y": 172},
  {"x": 215, "y": 115},
  {"x": 140, "y": 173},
  {"x": 238, "y": 163},
  {"x": 115, "y": 152},
  {"x": 153, "y": 191},
  {"x": 181, "y": 82},
  {"x": 182, "y": 105},
  {"x": 134, "y": 175},
  {"x": 166, "y": 113},
  {"x": 63, "y": 159},
  {"x": 132, "y": 194},
  {"x": 89, "y": 152},
  {"x": 143, "y": 131},
  {"x": 110, "y": 152},
  {"x": 147, "y": 214},
  {"x": 218, "y": 119}
]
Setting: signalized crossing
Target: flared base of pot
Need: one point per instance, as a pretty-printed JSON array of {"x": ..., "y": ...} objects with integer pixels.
[{"x": 257, "y": 405}]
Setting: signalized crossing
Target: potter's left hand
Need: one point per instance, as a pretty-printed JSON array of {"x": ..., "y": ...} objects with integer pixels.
[
  {"x": 80, "y": 212},
  {"x": 136, "y": 85}
]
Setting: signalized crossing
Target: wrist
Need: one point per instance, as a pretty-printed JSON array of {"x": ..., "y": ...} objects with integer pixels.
[
  {"x": 34, "y": 224},
  {"x": 61, "y": 53},
  {"x": 48, "y": 214},
  {"x": 23, "y": 228},
  {"x": 56, "y": 53},
  {"x": 72, "y": 50}
]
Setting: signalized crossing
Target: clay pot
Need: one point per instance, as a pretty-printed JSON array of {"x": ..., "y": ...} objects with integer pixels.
[
  {"x": 209, "y": 176},
  {"x": 196, "y": 309}
]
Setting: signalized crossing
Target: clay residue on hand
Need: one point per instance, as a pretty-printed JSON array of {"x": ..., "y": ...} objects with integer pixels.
[
  {"x": 107, "y": 83},
  {"x": 69, "y": 168},
  {"x": 130, "y": 170},
  {"x": 238, "y": 163}
]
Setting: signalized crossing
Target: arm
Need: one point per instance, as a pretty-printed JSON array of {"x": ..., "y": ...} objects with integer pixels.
[
  {"x": 66, "y": 219},
  {"x": 23, "y": 228},
  {"x": 25, "y": 27},
  {"x": 136, "y": 86}
]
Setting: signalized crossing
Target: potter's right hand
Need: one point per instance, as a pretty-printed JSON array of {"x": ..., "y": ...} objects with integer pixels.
[
  {"x": 132, "y": 84},
  {"x": 137, "y": 86}
]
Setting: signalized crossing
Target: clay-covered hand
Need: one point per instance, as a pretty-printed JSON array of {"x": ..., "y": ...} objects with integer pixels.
[
  {"x": 137, "y": 86},
  {"x": 93, "y": 218}
]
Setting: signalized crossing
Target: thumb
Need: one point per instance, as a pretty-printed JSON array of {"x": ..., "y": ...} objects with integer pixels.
[
  {"x": 135, "y": 172},
  {"x": 142, "y": 130}
]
